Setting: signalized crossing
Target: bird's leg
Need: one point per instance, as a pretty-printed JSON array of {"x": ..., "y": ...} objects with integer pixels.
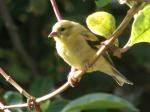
[{"x": 71, "y": 77}]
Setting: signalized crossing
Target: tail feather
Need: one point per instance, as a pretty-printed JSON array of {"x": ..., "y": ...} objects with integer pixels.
[{"x": 119, "y": 78}]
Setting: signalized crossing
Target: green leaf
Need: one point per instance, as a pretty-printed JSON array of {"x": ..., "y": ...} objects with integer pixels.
[
  {"x": 57, "y": 106},
  {"x": 98, "y": 101},
  {"x": 45, "y": 105},
  {"x": 41, "y": 86},
  {"x": 101, "y": 23},
  {"x": 102, "y": 3},
  {"x": 141, "y": 27},
  {"x": 13, "y": 97}
]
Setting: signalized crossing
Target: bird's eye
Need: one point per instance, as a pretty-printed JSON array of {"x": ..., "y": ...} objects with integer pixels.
[{"x": 62, "y": 29}]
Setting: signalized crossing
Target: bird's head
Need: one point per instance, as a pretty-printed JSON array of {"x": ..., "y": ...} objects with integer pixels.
[{"x": 62, "y": 29}]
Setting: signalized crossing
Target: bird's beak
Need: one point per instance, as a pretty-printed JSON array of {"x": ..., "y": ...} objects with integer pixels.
[{"x": 52, "y": 34}]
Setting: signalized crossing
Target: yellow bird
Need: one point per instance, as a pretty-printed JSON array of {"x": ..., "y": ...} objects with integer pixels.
[{"x": 77, "y": 46}]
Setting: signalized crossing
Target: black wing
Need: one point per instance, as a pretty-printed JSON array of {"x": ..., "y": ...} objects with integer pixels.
[{"x": 95, "y": 42}]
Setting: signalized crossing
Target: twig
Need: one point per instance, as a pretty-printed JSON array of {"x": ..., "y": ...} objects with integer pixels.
[
  {"x": 15, "y": 38},
  {"x": 118, "y": 52},
  {"x": 114, "y": 36},
  {"x": 14, "y": 106},
  {"x": 56, "y": 11},
  {"x": 30, "y": 98},
  {"x": 2, "y": 105},
  {"x": 13, "y": 83}
]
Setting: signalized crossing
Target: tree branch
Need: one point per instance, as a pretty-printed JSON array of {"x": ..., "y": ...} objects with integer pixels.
[
  {"x": 1, "y": 106},
  {"x": 13, "y": 83},
  {"x": 118, "y": 51},
  {"x": 15, "y": 38},
  {"x": 104, "y": 47},
  {"x": 31, "y": 100}
]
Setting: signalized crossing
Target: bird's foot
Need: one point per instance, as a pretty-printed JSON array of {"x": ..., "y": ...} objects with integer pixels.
[{"x": 72, "y": 79}]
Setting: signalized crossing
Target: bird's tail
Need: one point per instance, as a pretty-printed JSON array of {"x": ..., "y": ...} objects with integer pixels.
[{"x": 119, "y": 78}]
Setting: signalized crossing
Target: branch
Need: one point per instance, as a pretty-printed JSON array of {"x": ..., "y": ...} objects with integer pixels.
[
  {"x": 1, "y": 106},
  {"x": 13, "y": 83},
  {"x": 31, "y": 100},
  {"x": 104, "y": 47},
  {"x": 15, "y": 38},
  {"x": 56, "y": 11},
  {"x": 118, "y": 51}
]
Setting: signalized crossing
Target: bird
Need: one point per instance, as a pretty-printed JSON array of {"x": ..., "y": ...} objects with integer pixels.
[{"x": 76, "y": 45}]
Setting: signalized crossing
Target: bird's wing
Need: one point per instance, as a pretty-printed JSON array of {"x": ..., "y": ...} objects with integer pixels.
[
  {"x": 95, "y": 43},
  {"x": 92, "y": 40}
]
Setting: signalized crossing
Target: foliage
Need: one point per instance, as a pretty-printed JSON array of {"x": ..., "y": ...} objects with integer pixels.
[
  {"x": 101, "y": 23},
  {"x": 102, "y": 3},
  {"x": 13, "y": 97},
  {"x": 98, "y": 101},
  {"x": 141, "y": 27}
]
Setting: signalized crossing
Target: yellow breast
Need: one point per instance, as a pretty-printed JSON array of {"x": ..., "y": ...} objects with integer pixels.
[{"x": 76, "y": 53}]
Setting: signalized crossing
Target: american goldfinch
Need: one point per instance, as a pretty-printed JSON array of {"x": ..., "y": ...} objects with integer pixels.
[{"x": 77, "y": 46}]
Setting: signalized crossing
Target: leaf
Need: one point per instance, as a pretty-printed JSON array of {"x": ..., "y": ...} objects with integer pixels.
[
  {"x": 57, "y": 106},
  {"x": 41, "y": 86},
  {"x": 13, "y": 97},
  {"x": 101, "y": 23},
  {"x": 98, "y": 101},
  {"x": 141, "y": 27},
  {"x": 102, "y": 3},
  {"x": 45, "y": 105}
]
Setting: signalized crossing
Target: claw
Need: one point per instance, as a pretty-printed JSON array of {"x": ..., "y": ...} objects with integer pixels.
[
  {"x": 71, "y": 77},
  {"x": 71, "y": 80}
]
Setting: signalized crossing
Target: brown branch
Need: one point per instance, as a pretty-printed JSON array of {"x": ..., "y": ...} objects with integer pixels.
[
  {"x": 31, "y": 100},
  {"x": 15, "y": 38},
  {"x": 13, "y": 83},
  {"x": 56, "y": 10},
  {"x": 119, "y": 51},
  {"x": 2, "y": 105},
  {"x": 109, "y": 42}
]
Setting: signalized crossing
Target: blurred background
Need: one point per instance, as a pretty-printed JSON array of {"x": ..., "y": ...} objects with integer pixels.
[{"x": 30, "y": 58}]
